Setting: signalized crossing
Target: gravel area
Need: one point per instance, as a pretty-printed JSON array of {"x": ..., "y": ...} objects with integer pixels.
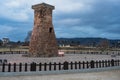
[{"x": 17, "y": 58}]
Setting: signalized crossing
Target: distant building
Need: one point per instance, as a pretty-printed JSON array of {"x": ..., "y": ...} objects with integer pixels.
[{"x": 5, "y": 41}]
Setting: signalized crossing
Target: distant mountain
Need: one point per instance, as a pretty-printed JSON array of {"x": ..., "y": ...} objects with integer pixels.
[
  {"x": 81, "y": 41},
  {"x": 87, "y": 41}
]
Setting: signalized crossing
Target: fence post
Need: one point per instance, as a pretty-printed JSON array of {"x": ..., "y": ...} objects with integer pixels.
[
  {"x": 9, "y": 67},
  {"x": 59, "y": 66},
  {"x": 75, "y": 65},
  {"x": 83, "y": 65},
  {"x": 106, "y": 64},
  {"x": 65, "y": 65},
  {"x": 96, "y": 64},
  {"x": 20, "y": 67},
  {"x": 79, "y": 65},
  {"x": 99, "y": 64},
  {"x": 14, "y": 67},
  {"x": 25, "y": 67},
  {"x": 71, "y": 65},
  {"x": 33, "y": 66},
  {"x": 92, "y": 63},
  {"x": 45, "y": 66},
  {"x": 40, "y": 66},
  {"x": 102, "y": 63},
  {"x": 3, "y": 67},
  {"x": 87, "y": 63},
  {"x": 112, "y": 62},
  {"x": 118, "y": 62},
  {"x": 115, "y": 62},
  {"x": 54, "y": 65},
  {"x": 50, "y": 66}
]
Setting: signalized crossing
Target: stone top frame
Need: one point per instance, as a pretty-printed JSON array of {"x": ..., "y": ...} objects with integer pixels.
[{"x": 38, "y": 6}]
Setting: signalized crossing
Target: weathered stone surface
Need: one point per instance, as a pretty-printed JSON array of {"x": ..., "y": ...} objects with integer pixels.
[{"x": 43, "y": 41}]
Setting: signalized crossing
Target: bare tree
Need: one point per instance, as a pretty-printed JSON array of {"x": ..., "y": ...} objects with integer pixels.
[
  {"x": 104, "y": 44},
  {"x": 27, "y": 39}
]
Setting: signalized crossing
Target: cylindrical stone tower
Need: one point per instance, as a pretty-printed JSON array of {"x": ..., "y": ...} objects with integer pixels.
[{"x": 43, "y": 41}]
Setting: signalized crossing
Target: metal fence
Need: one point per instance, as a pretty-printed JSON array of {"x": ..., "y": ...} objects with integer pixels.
[
  {"x": 13, "y": 52},
  {"x": 57, "y": 66},
  {"x": 93, "y": 53}
]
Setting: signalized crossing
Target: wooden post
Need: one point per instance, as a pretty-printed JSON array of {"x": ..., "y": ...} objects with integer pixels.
[
  {"x": 87, "y": 63},
  {"x": 112, "y": 62},
  {"x": 102, "y": 63},
  {"x": 83, "y": 65},
  {"x": 79, "y": 65},
  {"x": 59, "y": 66},
  {"x": 25, "y": 67},
  {"x": 75, "y": 65},
  {"x": 115, "y": 62},
  {"x": 14, "y": 67},
  {"x": 92, "y": 63},
  {"x": 9, "y": 67},
  {"x": 71, "y": 65},
  {"x": 96, "y": 64},
  {"x": 20, "y": 67},
  {"x": 33, "y": 66},
  {"x": 65, "y": 65},
  {"x": 45, "y": 66},
  {"x": 106, "y": 64},
  {"x": 40, "y": 66},
  {"x": 54, "y": 65},
  {"x": 118, "y": 62},
  {"x": 50, "y": 66},
  {"x": 3, "y": 67}
]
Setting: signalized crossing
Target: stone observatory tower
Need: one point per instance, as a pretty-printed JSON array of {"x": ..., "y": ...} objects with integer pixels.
[{"x": 43, "y": 41}]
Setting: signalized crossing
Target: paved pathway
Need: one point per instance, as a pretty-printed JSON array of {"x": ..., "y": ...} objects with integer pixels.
[{"x": 106, "y": 75}]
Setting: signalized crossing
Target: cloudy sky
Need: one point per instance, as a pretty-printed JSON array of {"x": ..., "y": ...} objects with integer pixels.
[{"x": 71, "y": 18}]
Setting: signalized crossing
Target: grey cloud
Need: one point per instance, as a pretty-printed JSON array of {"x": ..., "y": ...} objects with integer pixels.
[
  {"x": 104, "y": 17},
  {"x": 97, "y": 18}
]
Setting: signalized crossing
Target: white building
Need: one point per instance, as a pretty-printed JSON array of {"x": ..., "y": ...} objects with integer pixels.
[{"x": 5, "y": 41}]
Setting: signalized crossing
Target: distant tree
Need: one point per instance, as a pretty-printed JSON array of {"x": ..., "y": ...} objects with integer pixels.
[
  {"x": 78, "y": 42},
  {"x": 113, "y": 45},
  {"x": 118, "y": 44},
  {"x": 25, "y": 44},
  {"x": 94, "y": 44},
  {"x": 72, "y": 42},
  {"x": 1, "y": 42},
  {"x": 27, "y": 39},
  {"x": 18, "y": 42},
  {"x": 104, "y": 44}
]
